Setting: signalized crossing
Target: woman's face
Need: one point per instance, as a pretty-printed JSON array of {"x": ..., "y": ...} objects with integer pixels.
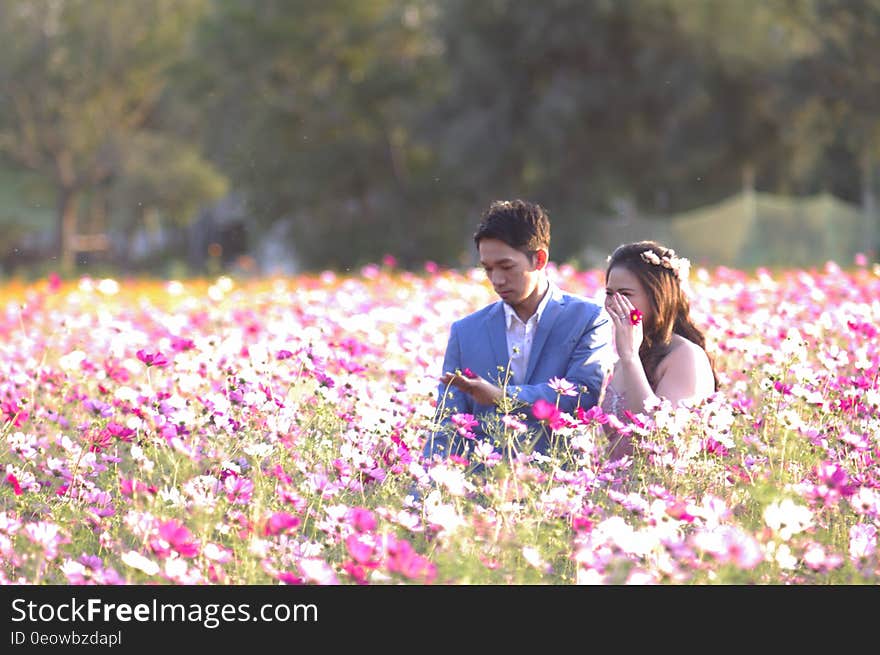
[{"x": 623, "y": 281}]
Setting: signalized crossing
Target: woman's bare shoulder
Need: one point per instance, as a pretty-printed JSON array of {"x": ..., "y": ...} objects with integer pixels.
[
  {"x": 685, "y": 373},
  {"x": 685, "y": 352}
]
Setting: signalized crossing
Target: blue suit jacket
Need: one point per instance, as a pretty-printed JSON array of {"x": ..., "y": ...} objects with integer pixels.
[{"x": 572, "y": 341}]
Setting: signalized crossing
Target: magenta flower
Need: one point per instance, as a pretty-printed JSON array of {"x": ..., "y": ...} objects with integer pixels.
[
  {"x": 289, "y": 578},
  {"x": 835, "y": 477},
  {"x": 401, "y": 558},
  {"x": 464, "y": 423},
  {"x": 181, "y": 344},
  {"x": 12, "y": 413},
  {"x": 152, "y": 359},
  {"x": 356, "y": 571},
  {"x": 363, "y": 520},
  {"x": 238, "y": 489},
  {"x": 178, "y": 537},
  {"x": 362, "y": 549},
  {"x": 119, "y": 431},
  {"x": 16, "y": 487},
  {"x": 281, "y": 522},
  {"x": 588, "y": 416},
  {"x": 544, "y": 411}
]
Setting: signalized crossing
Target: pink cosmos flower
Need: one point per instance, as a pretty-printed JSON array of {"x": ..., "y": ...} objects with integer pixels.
[
  {"x": 356, "y": 571},
  {"x": 594, "y": 414},
  {"x": 12, "y": 413},
  {"x": 835, "y": 477},
  {"x": 178, "y": 537},
  {"x": 544, "y": 411},
  {"x": 678, "y": 510},
  {"x": 401, "y": 558},
  {"x": 182, "y": 344},
  {"x": 464, "y": 423},
  {"x": 280, "y": 522},
  {"x": 238, "y": 489},
  {"x": 289, "y": 578},
  {"x": 563, "y": 387},
  {"x": 363, "y": 520},
  {"x": 513, "y": 423},
  {"x": 16, "y": 487},
  {"x": 152, "y": 359},
  {"x": 130, "y": 487},
  {"x": 362, "y": 549}
]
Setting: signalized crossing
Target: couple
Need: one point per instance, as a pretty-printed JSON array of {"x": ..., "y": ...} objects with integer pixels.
[{"x": 504, "y": 359}]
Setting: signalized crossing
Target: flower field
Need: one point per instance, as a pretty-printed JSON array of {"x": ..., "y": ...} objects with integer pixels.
[{"x": 266, "y": 431}]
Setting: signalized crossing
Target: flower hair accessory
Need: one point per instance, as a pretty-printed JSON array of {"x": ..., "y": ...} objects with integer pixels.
[
  {"x": 680, "y": 266},
  {"x": 635, "y": 317}
]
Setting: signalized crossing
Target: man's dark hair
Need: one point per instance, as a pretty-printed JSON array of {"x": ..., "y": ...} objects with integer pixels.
[{"x": 520, "y": 224}]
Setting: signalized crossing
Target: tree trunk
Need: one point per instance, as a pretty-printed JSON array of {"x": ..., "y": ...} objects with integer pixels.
[
  {"x": 870, "y": 239},
  {"x": 66, "y": 229},
  {"x": 131, "y": 227}
]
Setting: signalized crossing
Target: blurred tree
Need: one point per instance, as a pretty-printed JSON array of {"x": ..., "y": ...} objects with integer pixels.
[
  {"x": 311, "y": 109},
  {"x": 387, "y": 126},
  {"x": 77, "y": 79},
  {"x": 160, "y": 173},
  {"x": 835, "y": 92},
  {"x": 563, "y": 101}
]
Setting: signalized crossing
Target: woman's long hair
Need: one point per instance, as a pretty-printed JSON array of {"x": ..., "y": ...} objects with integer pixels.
[{"x": 658, "y": 274}]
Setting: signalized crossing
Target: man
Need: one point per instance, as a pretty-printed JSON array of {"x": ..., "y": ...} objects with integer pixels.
[{"x": 501, "y": 359}]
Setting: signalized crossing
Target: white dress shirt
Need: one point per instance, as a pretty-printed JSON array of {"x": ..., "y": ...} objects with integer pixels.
[{"x": 519, "y": 338}]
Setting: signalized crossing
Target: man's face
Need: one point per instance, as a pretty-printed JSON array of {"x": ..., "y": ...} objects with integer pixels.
[{"x": 513, "y": 275}]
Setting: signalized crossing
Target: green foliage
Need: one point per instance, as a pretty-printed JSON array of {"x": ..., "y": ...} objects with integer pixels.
[
  {"x": 161, "y": 172},
  {"x": 314, "y": 107},
  {"x": 387, "y": 126},
  {"x": 80, "y": 78}
]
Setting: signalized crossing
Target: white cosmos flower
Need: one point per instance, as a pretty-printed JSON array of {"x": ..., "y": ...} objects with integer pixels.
[
  {"x": 139, "y": 562},
  {"x": 787, "y": 518}
]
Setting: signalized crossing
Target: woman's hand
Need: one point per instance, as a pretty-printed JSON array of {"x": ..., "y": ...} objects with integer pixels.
[{"x": 628, "y": 334}]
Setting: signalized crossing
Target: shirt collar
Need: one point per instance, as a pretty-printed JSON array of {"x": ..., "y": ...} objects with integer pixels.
[{"x": 510, "y": 314}]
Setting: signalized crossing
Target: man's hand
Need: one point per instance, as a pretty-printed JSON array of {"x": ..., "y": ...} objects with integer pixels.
[{"x": 480, "y": 389}]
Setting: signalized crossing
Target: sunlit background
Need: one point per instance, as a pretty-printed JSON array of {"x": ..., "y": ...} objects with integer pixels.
[{"x": 179, "y": 138}]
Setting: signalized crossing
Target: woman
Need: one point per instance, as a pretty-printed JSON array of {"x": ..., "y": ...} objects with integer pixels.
[{"x": 661, "y": 353}]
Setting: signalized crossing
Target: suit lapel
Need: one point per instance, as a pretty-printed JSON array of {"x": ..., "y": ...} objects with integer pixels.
[
  {"x": 497, "y": 329},
  {"x": 545, "y": 325}
]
